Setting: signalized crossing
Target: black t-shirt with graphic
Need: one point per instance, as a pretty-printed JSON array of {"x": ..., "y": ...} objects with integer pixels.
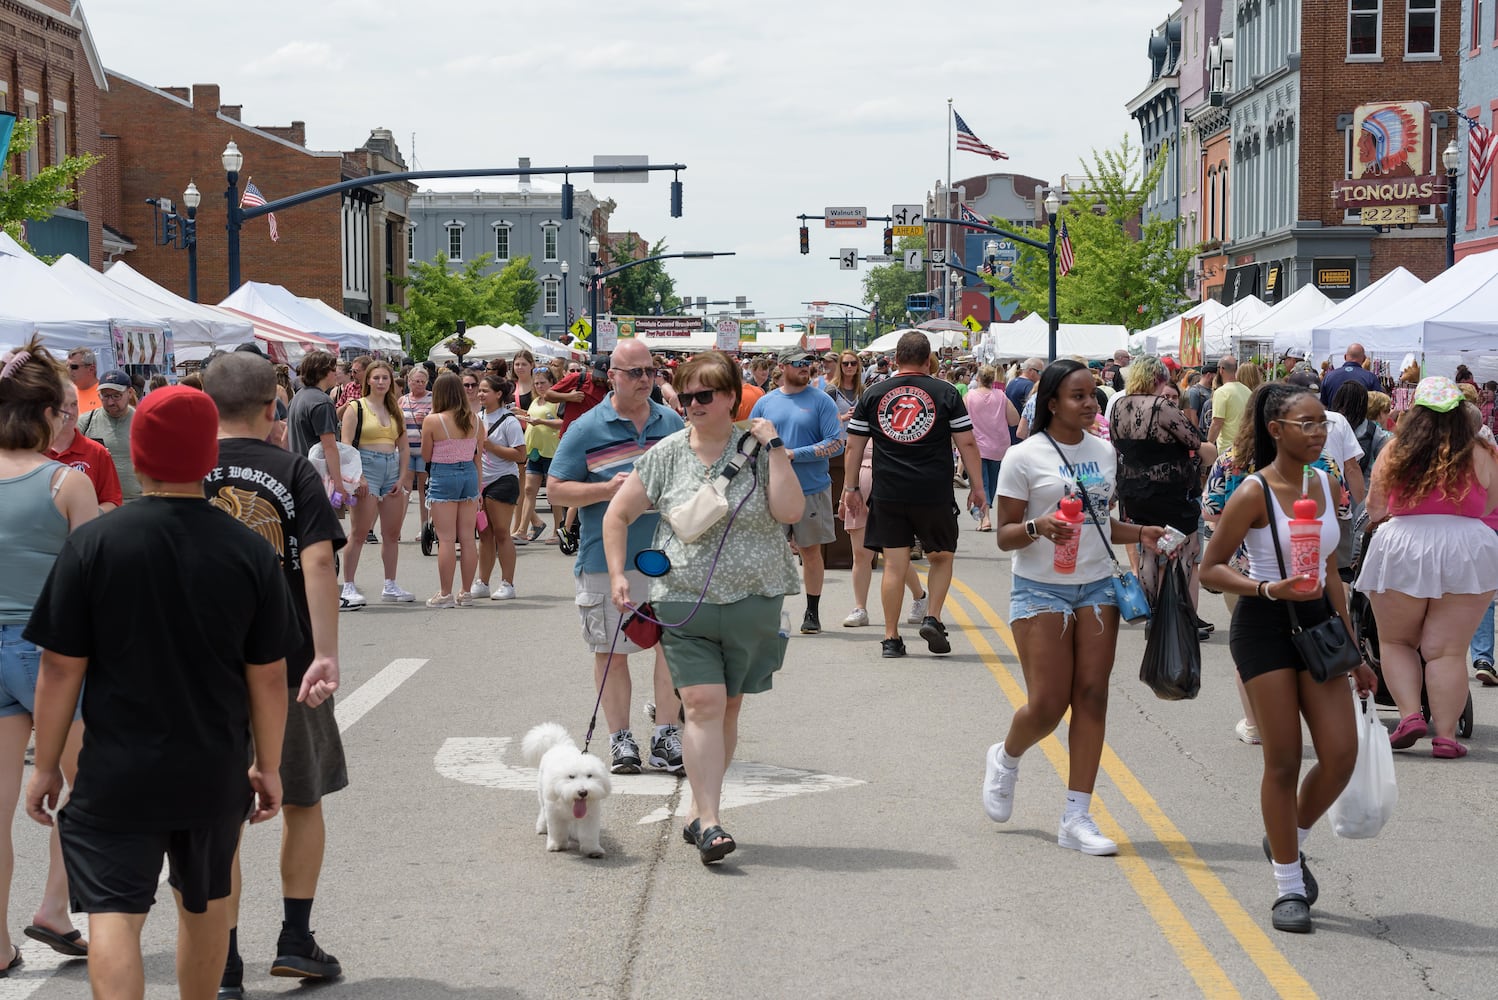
[
  {"x": 168, "y": 600},
  {"x": 312, "y": 414},
  {"x": 911, "y": 419},
  {"x": 279, "y": 496}
]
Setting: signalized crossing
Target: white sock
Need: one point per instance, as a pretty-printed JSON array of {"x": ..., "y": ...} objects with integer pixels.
[
  {"x": 1288, "y": 878},
  {"x": 1301, "y": 834},
  {"x": 1006, "y": 761},
  {"x": 389, "y": 584},
  {"x": 1078, "y": 803}
]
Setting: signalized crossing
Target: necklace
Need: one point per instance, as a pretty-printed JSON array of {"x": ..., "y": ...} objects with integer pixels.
[{"x": 164, "y": 493}]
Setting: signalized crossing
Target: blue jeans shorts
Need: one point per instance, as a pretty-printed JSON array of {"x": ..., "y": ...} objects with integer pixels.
[
  {"x": 382, "y": 471},
  {"x": 1028, "y": 598},
  {"x": 20, "y": 663},
  {"x": 415, "y": 463},
  {"x": 452, "y": 481},
  {"x": 538, "y": 465}
]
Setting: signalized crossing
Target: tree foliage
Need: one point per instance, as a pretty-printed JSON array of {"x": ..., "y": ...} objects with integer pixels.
[
  {"x": 436, "y": 298},
  {"x": 1118, "y": 277},
  {"x": 892, "y": 283},
  {"x": 631, "y": 292},
  {"x": 23, "y": 201}
]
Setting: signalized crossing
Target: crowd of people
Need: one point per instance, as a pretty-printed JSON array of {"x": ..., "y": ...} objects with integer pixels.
[{"x": 695, "y": 494}]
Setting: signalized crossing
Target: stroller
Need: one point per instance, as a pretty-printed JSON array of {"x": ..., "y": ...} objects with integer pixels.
[{"x": 1365, "y": 630}]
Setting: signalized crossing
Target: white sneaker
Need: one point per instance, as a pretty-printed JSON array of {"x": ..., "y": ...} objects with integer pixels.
[
  {"x": 917, "y": 610},
  {"x": 351, "y": 597},
  {"x": 998, "y": 786},
  {"x": 480, "y": 590},
  {"x": 1080, "y": 833},
  {"x": 857, "y": 618},
  {"x": 393, "y": 594},
  {"x": 442, "y": 601},
  {"x": 503, "y": 591},
  {"x": 1248, "y": 734}
]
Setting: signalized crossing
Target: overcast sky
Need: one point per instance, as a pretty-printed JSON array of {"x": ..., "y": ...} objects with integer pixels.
[{"x": 777, "y": 107}]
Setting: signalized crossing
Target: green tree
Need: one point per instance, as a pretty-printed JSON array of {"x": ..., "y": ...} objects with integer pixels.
[
  {"x": 436, "y": 298},
  {"x": 22, "y": 201},
  {"x": 631, "y": 292},
  {"x": 892, "y": 283},
  {"x": 1118, "y": 277}
]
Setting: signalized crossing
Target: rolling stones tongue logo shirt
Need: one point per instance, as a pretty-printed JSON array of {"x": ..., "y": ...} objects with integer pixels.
[{"x": 911, "y": 419}]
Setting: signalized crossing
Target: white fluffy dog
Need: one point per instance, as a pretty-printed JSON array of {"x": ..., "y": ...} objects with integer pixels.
[{"x": 572, "y": 788}]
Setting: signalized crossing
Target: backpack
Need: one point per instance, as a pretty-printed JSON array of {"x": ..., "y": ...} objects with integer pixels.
[{"x": 1371, "y": 438}]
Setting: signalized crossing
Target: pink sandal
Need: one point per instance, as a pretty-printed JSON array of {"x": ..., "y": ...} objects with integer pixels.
[
  {"x": 1409, "y": 731},
  {"x": 1445, "y": 749}
]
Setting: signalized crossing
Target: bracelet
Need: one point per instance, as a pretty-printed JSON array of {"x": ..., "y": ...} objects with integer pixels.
[
  {"x": 851, "y": 489},
  {"x": 1263, "y": 591}
]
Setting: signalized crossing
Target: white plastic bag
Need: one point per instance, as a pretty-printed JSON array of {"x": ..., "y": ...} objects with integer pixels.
[
  {"x": 1368, "y": 801},
  {"x": 350, "y": 466}
]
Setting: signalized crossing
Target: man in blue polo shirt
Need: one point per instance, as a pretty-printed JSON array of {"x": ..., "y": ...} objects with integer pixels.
[
  {"x": 592, "y": 461},
  {"x": 1352, "y": 370},
  {"x": 807, "y": 421}
]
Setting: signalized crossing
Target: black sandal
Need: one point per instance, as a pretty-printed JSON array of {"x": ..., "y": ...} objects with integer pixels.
[
  {"x": 712, "y": 852},
  {"x": 690, "y": 832},
  {"x": 14, "y": 963}
]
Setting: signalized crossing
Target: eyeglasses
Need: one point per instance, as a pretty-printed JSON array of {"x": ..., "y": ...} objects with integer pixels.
[
  {"x": 1309, "y": 426},
  {"x": 850, "y": 364},
  {"x": 703, "y": 398},
  {"x": 470, "y": 385}
]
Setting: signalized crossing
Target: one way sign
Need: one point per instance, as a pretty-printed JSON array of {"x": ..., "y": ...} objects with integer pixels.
[{"x": 847, "y": 259}]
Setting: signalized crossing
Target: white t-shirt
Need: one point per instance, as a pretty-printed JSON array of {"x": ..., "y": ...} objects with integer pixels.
[
  {"x": 1341, "y": 440},
  {"x": 1034, "y": 472},
  {"x": 510, "y": 435}
]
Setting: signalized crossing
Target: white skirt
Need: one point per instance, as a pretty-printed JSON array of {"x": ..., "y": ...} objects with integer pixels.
[{"x": 1431, "y": 555}]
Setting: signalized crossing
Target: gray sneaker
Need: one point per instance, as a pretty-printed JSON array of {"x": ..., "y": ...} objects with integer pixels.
[
  {"x": 665, "y": 751},
  {"x": 917, "y": 611},
  {"x": 625, "y": 752}
]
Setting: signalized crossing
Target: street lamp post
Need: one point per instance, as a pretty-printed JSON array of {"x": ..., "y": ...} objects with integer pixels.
[
  {"x": 1052, "y": 206},
  {"x": 566, "y": 312},
  {"x": 593, "y": 269},
  {"x": 956, "y": 279},
  {"x": 657, "y": 303},
  {"x": 233, "y": 160},
  {"x": 192, "y": 198},
  {"x": 874, "y": 315},
  {"x": 1451, "y": 159}
]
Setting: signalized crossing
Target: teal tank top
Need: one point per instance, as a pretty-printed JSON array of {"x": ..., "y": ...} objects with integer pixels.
[{"x": 32, "y": 531}]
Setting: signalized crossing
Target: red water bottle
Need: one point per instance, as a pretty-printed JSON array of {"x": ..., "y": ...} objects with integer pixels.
[
  {"x": 1066, "y": 552},
  {"x": 1305, "y": 538}
]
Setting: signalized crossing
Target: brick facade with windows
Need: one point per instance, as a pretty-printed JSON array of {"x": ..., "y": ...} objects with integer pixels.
[{"x": 1477, "y": 230}]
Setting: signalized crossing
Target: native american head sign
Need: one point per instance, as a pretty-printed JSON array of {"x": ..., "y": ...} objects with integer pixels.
[{"x": 1389, "y": 139}]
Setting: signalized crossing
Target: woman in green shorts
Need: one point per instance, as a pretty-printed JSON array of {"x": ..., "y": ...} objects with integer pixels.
[{"x": 733, "y": 644}]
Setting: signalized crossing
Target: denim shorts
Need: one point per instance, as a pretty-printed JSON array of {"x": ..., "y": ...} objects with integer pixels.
[
  {"x": 1028, "y": 598},
  {"x": 382, "y": 471},
  {"x": 20, "y": 663},
  {"x": 452, "y": 481},
  {"x": 538, "y": 465},
  {"x": 416, "y": 463}
]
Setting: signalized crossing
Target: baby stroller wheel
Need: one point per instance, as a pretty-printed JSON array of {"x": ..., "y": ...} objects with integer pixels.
[
  {"x": 1464, "y": 724},
  {"x": 428, "y": 538}
]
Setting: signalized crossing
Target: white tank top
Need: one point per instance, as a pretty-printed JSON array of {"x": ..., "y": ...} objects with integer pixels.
[{"x": 1262, "y": 564}]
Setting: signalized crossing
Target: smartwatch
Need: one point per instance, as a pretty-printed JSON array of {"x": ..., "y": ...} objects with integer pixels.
[
  {"x": 1032, "y": 531},
  {"x": 775, "y": 442}
]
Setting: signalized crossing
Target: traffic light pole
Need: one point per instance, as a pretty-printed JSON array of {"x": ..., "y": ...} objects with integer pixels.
[{"x": 1048, "y": 248}]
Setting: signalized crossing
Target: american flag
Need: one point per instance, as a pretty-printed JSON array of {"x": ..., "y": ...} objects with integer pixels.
[
  {"x": 966, "y": 214},
  {"x": 1064, "y": 256},
  {"x": 252, "y": 198},
  {"x": 966, "y": 140},
  {"x": 1482, "y": 151}
]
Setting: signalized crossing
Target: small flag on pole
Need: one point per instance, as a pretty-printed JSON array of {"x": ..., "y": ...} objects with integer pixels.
[
  {"x": 969, "y": 142},
  {"x": 1064, "y": 257},
  {"x": 1482, "y": 151},
  {"x": 254, "y": 199}
]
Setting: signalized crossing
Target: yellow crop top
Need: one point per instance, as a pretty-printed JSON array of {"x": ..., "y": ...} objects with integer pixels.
[{"x": 374, "y": 432}]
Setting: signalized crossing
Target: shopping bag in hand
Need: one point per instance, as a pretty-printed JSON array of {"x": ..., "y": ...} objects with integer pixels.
[
  {"x": 1172, "y": 666},
  {"x": 1368, "y": 801}
]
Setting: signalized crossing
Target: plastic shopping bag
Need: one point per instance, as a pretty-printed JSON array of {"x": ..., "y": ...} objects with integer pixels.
[
  {"x": 350, "y": 466},
  {"x": 1172, "y": 666},
  {"x": 1368, "y": 801}
]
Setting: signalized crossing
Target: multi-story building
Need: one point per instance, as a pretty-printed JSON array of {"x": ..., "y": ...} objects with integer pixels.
[
  {"x": 1212, "y": 125},
  {"x": 512, "y": 217},
  {"x": 51, "y": 73},
  {"x": 1478, "y": 55},
  {"x": 1013, "y": 200},
  {"x": 1157, "y": 108},
  {"x": 1202, "y": 121}
]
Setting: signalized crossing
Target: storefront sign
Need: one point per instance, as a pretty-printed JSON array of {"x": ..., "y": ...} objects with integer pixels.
[{"x": 1336, "y": 277}]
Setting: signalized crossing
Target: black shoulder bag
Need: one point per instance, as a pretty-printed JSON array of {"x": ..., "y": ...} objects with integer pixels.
[{"x": 1325, "y": 648}]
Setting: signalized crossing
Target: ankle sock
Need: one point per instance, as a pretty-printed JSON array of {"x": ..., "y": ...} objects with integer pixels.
[
  {"x": 814, "y": 604},
  {"x": 1077, "y": 803},
  {"x": 1301, "y": 834},
  {"x": 298, "y": 915},
  {"x": 1006, "y": 761},
  {"x": 1288, "y": 878}
]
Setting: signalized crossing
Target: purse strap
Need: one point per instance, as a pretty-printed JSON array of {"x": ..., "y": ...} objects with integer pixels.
[
  {"x": 1274, "y": 533},
  {"x": 734, "y": 467},
  {"x": 1086, "y": 502}
]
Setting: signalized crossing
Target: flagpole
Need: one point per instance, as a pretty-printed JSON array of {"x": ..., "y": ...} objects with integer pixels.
[{"x": 949, "y": 212}]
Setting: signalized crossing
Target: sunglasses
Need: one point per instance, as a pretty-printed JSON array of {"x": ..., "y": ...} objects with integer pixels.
[
  {"x": 703, "y": 398},
  {"x": 635, "y": 373},
  {"x": 76, "y": 367},
  {"x": 803, "y": 363},
  {"x": 470, "y": 385},
  {"x": 850, "y": 364}
]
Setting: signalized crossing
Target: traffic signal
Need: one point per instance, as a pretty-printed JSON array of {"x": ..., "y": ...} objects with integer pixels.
[
  {"x": 805, "y": 240},
  {"x": 676, "y": 199},
  {"x": 889, "y": 241},
  {"x": 566, "y": 200}
]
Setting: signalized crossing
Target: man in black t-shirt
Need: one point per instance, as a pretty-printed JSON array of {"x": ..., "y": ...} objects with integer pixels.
[
  {"x": 914, "y": 421},
  {"x": 183, "y": 662},
  {"x": 277, "y": 494}
]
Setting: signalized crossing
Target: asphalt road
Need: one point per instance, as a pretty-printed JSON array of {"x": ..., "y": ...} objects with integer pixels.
[{"x": 866, "y": 866}]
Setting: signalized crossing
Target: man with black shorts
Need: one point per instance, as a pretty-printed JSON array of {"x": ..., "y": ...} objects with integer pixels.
[
  {"x": 184, "y": 662},
  {"x": 914, "y": 420},
  {"x": 277, "y": 494}
]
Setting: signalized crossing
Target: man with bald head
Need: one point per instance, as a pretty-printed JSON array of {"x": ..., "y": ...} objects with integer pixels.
[{"x": 1352, "y": 370}]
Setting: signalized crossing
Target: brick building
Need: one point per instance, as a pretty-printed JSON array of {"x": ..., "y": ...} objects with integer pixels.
[
  {"x": 1476, "y": 228},
  {"x": 49, "y": 70},
  {"x": 335, "y": 249}
]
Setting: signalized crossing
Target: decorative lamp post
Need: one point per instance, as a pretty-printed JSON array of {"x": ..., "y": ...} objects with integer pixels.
[
  {"x": 955, "y": 277},
  {"x": 1052, "y": 206},
  {"x": 593, "y": 268},
  {"x": 657, "y": 303},
  {"x": 233, "y": 160},
  {"x": 566, "y": 312},
  {"x": 1451, "y": 159},
  {"x": 192, "y": 198},
  {"x": 874, "y": 315}
]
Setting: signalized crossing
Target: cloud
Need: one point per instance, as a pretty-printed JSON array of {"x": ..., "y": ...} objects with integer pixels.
[{"x": 296, "y": 57}]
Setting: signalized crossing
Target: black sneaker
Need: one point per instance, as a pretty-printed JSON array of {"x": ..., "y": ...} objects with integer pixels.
[
  {"x": 370, "y": 538},
  {"x": 810, "y": 623},
  {"x": 625, "y": 753},
  {"x": 299, "y": 957},
  {"x": 231, "y": 984},
  {"x": 892, "y": 648},
  {"x": 1485, "y": 673},
  {"x": 935, "y": 634}
]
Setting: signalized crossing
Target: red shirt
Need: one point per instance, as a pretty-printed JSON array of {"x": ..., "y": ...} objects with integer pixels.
[
  {"x": 92, "y": 459},
  {"x": 593, "y": 392}
]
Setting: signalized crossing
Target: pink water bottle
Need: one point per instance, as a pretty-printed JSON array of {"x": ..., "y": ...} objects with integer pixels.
[
  {"x": 1066, "y": 552},
  {"x": 1305, "y": 538}
]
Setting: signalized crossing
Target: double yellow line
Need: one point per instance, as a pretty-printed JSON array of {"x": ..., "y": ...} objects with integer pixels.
[{"x": 1194, "y": 954}]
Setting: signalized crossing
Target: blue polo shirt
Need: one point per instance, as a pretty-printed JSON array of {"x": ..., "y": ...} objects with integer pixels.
[
  {"x": 596, "y": 447},
  {"x": 807, "y": 422}
]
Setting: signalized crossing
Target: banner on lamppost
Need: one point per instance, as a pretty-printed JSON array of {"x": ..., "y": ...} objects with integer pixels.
[
  {"x": 1190, "y": 352},
  {"x": 608, "y": 336}
]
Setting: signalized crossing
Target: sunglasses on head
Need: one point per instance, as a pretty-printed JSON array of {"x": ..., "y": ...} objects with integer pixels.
[{"x": 702, "y": 398}]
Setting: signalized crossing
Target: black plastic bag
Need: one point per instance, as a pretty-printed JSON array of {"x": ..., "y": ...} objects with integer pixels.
[{"x": 1172, "y": 666}]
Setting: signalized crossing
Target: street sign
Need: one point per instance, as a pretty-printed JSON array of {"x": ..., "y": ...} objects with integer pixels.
[
  {"x": 878, "y": 258},
  {"x": 972, "y": 324},
  {"x": 608, "y": 336},
  {"x": 728, "y": 335},
  {"x": 939, "y": 259},
  {"x": 913, "y": 261},
  {"x": 846, "y": 217},
  {"x": 623, "y": 177},
  {"x": 899, "y": 231},
  {"x": 847, "y": 259},
  {"x": 581, "y": 328},
  {"x": 905, "y": 215}
]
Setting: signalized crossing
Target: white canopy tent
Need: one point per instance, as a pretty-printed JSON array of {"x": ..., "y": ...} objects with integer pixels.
[
  {"x": 775, "y": 340},
  {"x": 540, "y": 346},
  {"x": 379, "y": 340},
  {"x": 1316, "y": 337},
  {"x": 34, "y": 300},
  {"x": 488, "y": 342},
  {"x": 1030, "y": 337},
  {"x": 275, "y": 303},
  {"x": 1302, "y": 306},
  {"x": 1456, "y": 312},
  {"x": 191, "y": 329},
  {"x": 939, "y": 339},
  {"x": 1224, "y": 332},
  {"x": 1148, "y": 341}
]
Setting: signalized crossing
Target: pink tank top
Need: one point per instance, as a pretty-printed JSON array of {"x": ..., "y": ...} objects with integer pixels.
[
  {"x": 1441, "y": 502},
  {"x": 449, "y": 450}
]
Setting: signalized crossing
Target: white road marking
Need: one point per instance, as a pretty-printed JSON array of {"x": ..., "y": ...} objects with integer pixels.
[
  {"x": 479, "y": 760},
  {"x": 42, "y": 963}
]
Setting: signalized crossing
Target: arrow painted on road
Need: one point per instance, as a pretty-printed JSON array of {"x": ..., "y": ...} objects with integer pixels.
[{"x": 479, "y": 760}]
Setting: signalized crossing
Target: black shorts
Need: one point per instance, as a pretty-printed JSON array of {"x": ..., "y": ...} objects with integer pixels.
[
  {"x": 1260, "y": 635},
  {"x": 505, "y": 489},
  {"x": 117, "y": 871},
  {"x": 895, "y": 525}
]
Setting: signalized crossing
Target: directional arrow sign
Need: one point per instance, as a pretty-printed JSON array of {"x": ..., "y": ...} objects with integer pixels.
[
  {"x": 906, "y": 220},
  {"x": 480, "y": 760},
  {"x": 913, "y": 260},
  {"x": 939, "y": 259},
  {"x": 847, "y": 259}
]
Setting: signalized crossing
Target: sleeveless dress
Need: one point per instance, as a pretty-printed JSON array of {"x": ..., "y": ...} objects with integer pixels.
[{"x": 1436, "y": 547}]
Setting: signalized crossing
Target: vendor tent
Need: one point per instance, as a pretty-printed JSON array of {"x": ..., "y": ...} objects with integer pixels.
[
  {"x": 1301, "y": 307},
  {"x": 698, "y": 340},
  {"x": 379, "y": 340},
  {"x": 488, "y": 342},
  {"x": 275, "y": 303},
  {"x": 1166, "y": 337},
  {"x": 1223, "y": 333},
  {"x": 1352, "y": 314},
  {"x": 283, "y": 343},
  {"x": 540, "y": 346},
  {"x": 1456, "y": 312},
  {"x": 34, "y": 300},
  {"x": 1030, "y": 337},
  {"x": 191, "y": 328},
  {"x": 939, "y": 339}
]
